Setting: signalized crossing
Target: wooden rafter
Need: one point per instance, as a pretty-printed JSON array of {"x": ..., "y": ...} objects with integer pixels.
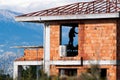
[{"x": 94, "y": 7}]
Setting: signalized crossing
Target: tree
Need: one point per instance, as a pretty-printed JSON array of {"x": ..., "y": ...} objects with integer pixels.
[
  {"x": 4, "y": 76},
  {"x": 29, "y": 73}
]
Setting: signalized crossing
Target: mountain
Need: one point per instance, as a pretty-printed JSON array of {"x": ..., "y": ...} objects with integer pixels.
[
  {"x": 6, "y": 62},
  {"x": 14, "y": 33},
  {"x": 8, "y": 14}
]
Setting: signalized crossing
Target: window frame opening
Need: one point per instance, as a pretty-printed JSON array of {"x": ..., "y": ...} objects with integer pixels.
[
  {"x": 68, "y": 72},
  {"x": 103, "y": 73},
  {"x": 71, "y": 50}
]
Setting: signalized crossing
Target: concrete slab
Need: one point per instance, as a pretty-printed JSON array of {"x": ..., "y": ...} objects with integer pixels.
[{"x": 42, "y": 19}]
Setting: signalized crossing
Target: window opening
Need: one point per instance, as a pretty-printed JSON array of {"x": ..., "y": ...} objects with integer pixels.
[
  {"x": 103, "y": 74},
  {"x": 68, "y": 72},
  {"x": 69, "y": 38}
]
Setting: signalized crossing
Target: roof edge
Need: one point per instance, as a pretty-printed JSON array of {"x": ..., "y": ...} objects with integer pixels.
[
  {"x": 27, "y": 47},
  {"x": 42, "y": 19}
]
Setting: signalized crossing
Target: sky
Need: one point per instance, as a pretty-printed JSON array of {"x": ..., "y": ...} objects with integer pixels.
[{"x": 27, "y": 6}]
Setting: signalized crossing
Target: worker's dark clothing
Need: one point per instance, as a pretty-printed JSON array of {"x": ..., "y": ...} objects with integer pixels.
[{"x": 72, "y": 35}]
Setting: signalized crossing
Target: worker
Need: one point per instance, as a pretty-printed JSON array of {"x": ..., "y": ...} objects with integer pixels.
[{"x": 71, "y": 36}]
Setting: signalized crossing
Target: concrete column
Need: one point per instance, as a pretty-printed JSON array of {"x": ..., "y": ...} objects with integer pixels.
[
  {"x": 15, "y": 72},
  {"x": 47, "y": 49}
]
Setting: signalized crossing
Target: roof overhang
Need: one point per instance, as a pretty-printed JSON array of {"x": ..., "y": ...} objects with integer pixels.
[
  {"x": 27, "y": 47},
  {"x": 42, "y": 19}
]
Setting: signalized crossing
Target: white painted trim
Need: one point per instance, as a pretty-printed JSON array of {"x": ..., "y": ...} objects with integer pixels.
[{"x": 68, "y": 17}]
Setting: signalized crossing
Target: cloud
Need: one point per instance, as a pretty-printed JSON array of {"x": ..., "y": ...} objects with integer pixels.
[
  {"x": 26, "y": 6},
  {"x": 1, "y": 50},
  {"x": 2, "y": 45}
]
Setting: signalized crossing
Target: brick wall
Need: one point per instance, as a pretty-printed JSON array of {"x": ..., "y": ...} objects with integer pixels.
[
  {"x": 31, "y": 55},
  {"x": 54, "y": 71},
  {"x": 97, "y": 40},
  {"x": 54, "y": 41},
  {"x": 110, "y": 75}
]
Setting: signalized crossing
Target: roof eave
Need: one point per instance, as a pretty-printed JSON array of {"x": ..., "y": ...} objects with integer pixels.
[
  {"x": 26, "y": 47},
  {"x": 42, "y": 19}
]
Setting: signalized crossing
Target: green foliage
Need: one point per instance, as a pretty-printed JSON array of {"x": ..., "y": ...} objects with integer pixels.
[
  {"x": 30, "y": 74},
  {"x": 43, "y": 76},
  {"x": 4, "y": 76},
  {"x": 92, "y": 74}
]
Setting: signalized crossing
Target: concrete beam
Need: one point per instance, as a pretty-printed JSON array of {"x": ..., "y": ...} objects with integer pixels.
[
  {"x": 42, "y": 19},
  {"x": 28, "y": 63},
  {"x": 67, "y": 62},
  {"x": 100, "y": 62},
  {"x": 85, "y": 62}
]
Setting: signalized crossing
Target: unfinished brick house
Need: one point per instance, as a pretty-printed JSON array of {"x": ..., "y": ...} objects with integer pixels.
[{"x": 98, "y": 24}]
